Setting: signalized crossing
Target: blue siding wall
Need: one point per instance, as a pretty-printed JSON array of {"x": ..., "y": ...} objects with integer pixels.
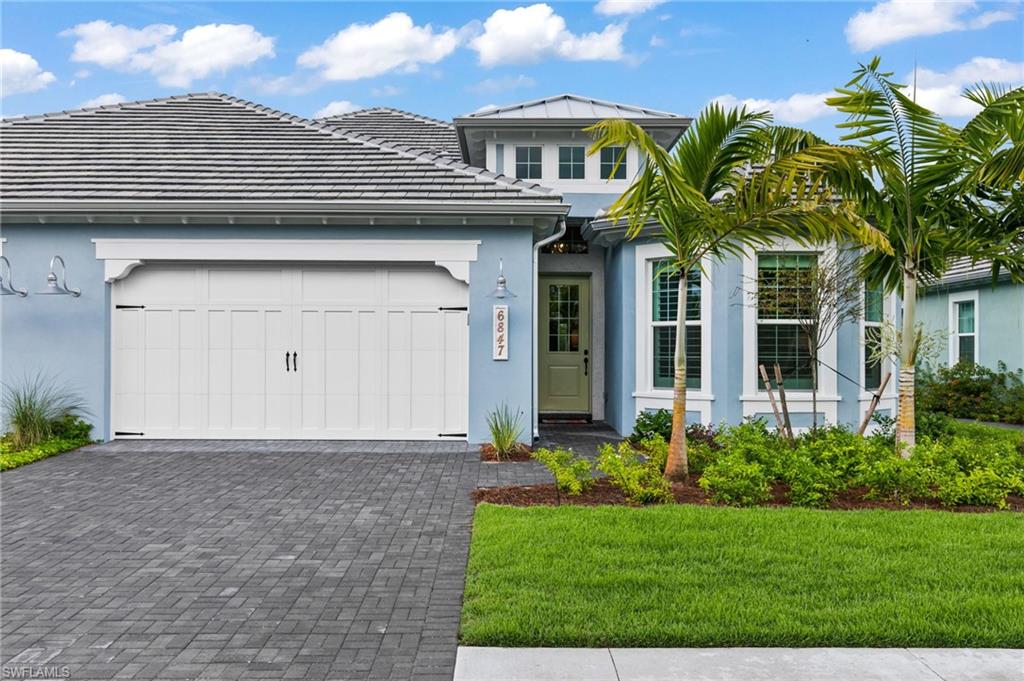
[
  {"x": 1000, "y": 321},
  {"x": 68, "y": 338},
  {"x": 727, "y": 352}
]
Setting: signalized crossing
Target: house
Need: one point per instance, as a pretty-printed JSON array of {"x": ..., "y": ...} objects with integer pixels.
[
  {"x": 974, "y": 318},
  {"x": 226, "y": 270}
]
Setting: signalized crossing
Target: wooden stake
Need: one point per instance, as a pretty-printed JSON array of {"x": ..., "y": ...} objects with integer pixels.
[
  {"x": 771, "y": 399},
  {"x": 874, "y": 403},
  {"x": 782, "y": 398}
]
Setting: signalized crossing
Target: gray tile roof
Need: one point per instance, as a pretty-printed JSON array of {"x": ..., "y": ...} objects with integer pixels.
[
  {"x": 395, "y": 126},
  {"x": 212, "y": 147}
]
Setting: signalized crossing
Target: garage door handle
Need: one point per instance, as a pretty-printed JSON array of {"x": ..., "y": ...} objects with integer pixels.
[
  {"x": 295, "y": 361},
  {"x": 286, "y": 360}
]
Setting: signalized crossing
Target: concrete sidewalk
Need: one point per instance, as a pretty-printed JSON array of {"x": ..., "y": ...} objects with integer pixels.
[{"x": 738, "y": 664}]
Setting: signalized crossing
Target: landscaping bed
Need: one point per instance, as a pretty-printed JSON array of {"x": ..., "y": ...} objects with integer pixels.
[
  {"x": 604, "y": 492},
  {"x": 518, "y": 452},
  {"x": 704, "y": 576},
  {"x": 13, "y": 458}
]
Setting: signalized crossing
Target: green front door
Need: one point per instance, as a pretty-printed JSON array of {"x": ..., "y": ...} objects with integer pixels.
[{"x": 564, "y": 345}]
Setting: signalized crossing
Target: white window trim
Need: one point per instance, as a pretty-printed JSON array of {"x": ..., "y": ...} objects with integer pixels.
[
  {"x": 121, "y": 256},
  {"x": 645, "y": 394},
  {"x": 954, "y": 327},
  {"x": 754, "y": 399},
  {"x": 515, "y": 160},
  {"x": 624, "y": 165},
  {"x": 558, "y": 162},
  {"x": 890, "y": 307}
]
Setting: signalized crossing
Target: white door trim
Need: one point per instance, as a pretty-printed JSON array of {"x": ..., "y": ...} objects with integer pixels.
[{"x": 121, "y": 256}]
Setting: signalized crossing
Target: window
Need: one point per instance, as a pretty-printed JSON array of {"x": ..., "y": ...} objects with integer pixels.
[
  {"x": 965, "y": 335},
  {"x": 528, "y": 163},
  {"x": 563, "y": 318},
  {"x": 873, "y": 316},
  {"x": 573, "y": 241},
  {"x": 613, "y": 163},
  {"x": 570, "y": 163},
  {"x": 664, "y": 299},
  {"x": 783, "y": 284}
]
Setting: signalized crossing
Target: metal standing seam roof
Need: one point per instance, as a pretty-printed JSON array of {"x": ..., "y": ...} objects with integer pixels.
[
  {"x": 570, "y": 106},
  {"x": 213, "y": 147},
  {"x": 395, "y": 126}
]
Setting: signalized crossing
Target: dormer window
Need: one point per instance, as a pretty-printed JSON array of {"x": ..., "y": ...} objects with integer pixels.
[
  {"x": 613, "y": 163},
  {"x": 528, "y": 163},
  {"x": 571, "y": 163}
]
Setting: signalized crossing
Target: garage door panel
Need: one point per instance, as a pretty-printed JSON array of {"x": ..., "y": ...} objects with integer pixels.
[{"x": 376, "y": 358}]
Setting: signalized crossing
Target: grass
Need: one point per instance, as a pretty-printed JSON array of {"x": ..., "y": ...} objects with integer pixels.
[{"x": 705, "y": 577}]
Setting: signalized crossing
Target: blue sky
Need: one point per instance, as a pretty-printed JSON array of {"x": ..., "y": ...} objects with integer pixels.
[{"x": 445, "y": 59}]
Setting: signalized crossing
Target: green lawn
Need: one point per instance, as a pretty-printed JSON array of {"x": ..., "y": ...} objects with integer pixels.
[{"x": 706, "y": 576}]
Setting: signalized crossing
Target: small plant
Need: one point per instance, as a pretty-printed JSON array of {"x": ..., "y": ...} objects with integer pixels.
[
  {"x": 506, "y": 428},
  {"x": 653, "y": 422},
  {"x": 572, "y": 474},
  {"x": 735, "y": 481},
  {"x": 982, "y": 486},
  {"x": 36, "y": 408},
  {"x": 639, "y": 477}
]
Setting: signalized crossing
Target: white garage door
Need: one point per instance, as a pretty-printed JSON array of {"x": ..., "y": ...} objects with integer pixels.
[{"x": 346, "y": 352}]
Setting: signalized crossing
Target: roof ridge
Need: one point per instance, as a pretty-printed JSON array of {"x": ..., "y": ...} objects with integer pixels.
[
  {"x": 458, "y": 166},
  {"x": 109, "y": 107},
  {"x": 401, "y": 112}
]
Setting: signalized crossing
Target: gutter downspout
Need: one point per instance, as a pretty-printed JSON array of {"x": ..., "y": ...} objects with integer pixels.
[{"x": 559, "y": 233}]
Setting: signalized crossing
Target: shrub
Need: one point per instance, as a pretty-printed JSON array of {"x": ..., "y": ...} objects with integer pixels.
[
  {"x": 895, "y": 478},
  {"x": 659, "y": 422},
  {"x": 702, "y": 454},
  {"x": 572, "y": 474},
  {"x": 36, "y": 408},
  {"x": 735, "y": 481},
  {"x": 811, "y": 484},
  {"x": 753, "y": 442},
  {"x": 982, "y": 486},
  {"x": 506, "y": 427},
  {"x": 972, "y": 391},
  {"x": 639, "y": 477}
]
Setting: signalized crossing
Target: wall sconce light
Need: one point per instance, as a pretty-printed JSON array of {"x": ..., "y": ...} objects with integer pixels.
[
  {"x": 501, "y": 291},
  {"x": 6, "y": 284},
  {"x": 59, "y": 285}
]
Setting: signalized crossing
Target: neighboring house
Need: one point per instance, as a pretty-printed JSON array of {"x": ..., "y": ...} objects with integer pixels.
[
  {"x": 977, "y": 319},
  {"x": 246, "y": 273}
]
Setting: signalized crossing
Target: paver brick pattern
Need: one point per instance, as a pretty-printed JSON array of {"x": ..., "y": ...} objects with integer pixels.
[{"x": 240, "y": 560}]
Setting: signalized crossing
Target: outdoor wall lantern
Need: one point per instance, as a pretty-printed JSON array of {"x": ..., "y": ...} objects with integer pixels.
[
  {"x": 502, "y": 289},
  {"x": 6, "y": 284},
  {"x": 59, "y": 285}
]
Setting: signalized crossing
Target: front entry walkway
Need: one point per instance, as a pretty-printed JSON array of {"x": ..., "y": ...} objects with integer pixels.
[{"x": 237, "y": 560}]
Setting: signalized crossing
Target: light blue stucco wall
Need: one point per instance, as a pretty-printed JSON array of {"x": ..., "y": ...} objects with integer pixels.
[
  {"x": 727, "y": 352},
  {"x": 1000, "y": 317},
  {"x": 68, "y": 338}
]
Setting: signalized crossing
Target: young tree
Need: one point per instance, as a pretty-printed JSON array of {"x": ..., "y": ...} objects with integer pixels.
[
  {"x": 938, "y": 192},
  {"x": 704, "y": 203},
  {"x": 820, "y": 298}
]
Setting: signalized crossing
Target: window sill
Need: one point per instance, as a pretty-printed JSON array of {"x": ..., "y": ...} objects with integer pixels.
[
  {"x": 667, "y": 395},
  {"x": 801, "y": 397}
]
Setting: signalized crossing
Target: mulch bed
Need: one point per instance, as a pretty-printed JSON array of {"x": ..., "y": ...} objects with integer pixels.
[
  {"x": 490, "y": 455},
  {"x": 605, "y": 493}
]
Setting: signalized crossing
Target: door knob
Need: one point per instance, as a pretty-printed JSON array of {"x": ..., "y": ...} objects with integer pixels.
[
  {"x": 286, "y": 360},
  {"x": 295, "y": 361}
]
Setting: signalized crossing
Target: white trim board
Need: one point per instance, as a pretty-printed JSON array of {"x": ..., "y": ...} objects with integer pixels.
[
  {"x": 953, "y": 326},
  {"x": 121, "y": 256}
]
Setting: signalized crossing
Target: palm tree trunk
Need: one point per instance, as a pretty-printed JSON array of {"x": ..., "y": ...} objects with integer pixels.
[
  {"x": 906, "y": 427},
  {"x": 677, "y": 466}
]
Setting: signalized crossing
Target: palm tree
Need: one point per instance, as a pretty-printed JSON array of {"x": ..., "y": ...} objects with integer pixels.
[
  {"x": 939, "y": 193},
  {"x": 705, "y": 202}
]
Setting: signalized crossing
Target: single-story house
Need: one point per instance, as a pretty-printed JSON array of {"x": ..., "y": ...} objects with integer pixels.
[
  {"x": 202, "y": 266},
  {"x": 975, "y": 318}
]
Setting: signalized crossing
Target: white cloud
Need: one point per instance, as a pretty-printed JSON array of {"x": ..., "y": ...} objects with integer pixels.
[
  {"x": 941, "y": 92},
  {"x": 797, "y": 108},
  {"x": 895, "y": 20},
  {"x": 368, "y": 50},
  {"x": 657, "y": 42},
  {"x": 385, "y": 91},
  {"x": 19, "y": 72},
  {"x": 616, "y": 7},
  {"x": 103, "y": 100},
  {"x": 201, "y": 50},
  {"x": 494, "y": 86},
  {"x": 337, "y": 108},
  {"x": 530, "y": 34}
]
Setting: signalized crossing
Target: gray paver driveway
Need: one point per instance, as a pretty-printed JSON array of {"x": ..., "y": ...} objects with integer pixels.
[{"x": 231, "y": 560}]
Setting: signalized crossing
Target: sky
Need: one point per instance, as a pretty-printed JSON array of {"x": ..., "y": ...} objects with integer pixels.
[{"x": 447, "y": 59}]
